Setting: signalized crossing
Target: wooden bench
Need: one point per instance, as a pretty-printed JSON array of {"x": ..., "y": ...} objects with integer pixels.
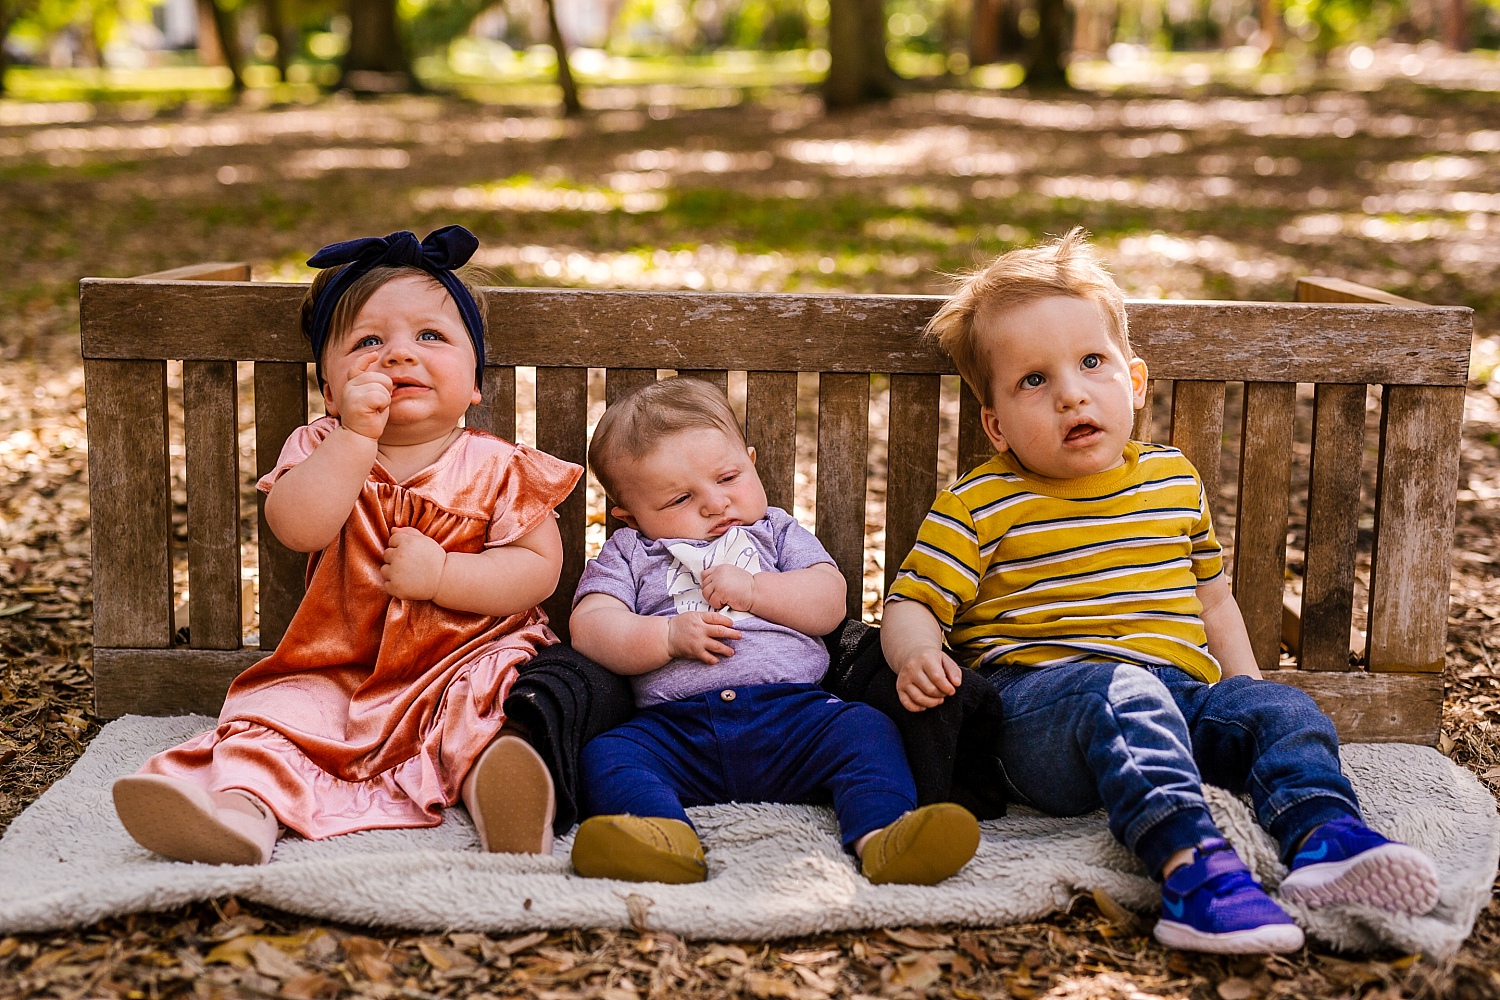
[{"x": 211, "y": 316}]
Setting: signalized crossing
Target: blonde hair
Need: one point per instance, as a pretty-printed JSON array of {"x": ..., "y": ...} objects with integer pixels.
[
  {"x": 1067, "y": 266},
  {"x": 632, "y": 427},
  {"x": 358, "y": 293}
]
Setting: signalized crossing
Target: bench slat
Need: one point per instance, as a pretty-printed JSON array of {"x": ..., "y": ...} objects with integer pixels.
[
  {"x": 496, "y": 414},
  {"x": 130, "y": 502},
  {"x": 1332, "y": 526},
  {"x": 715, "y": 376},
  {"x": 843, "y": 459},
  {"x": 1264, "y": 505},
  {"x": 280, "y": 408},
  {"x": 211, "y": 440},
  {"x": 911, "y": 464},
  {"x": 619, "y": 383},
  {"x": 974, "y": 448},
  {"x": 1259, "y": 341},
  {"x": 1414, "y": 513},
  {"x": 1198, "y": 430},
  {"x": 771, "y": 429},
  {"x": 562, "y": 411}
]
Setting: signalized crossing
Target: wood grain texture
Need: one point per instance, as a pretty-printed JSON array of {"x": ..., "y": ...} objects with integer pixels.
[
  {"x": 771, "y": 429},
  {"x": 1374, "y": 708},
  {"x": 1214, "y": 341},
  {"x": 1414, "y": 511},
  {"x": 562, "y": 410},
  {"x": 716, "y": 377},
  {"x": 1264, "y": 505},
  {"x": 166, "y": 681},
  {"x": 216, "y": 271},
  {"x": 619, "y": 383},
  {"x": 496, "y": 413},
  {"x": 1333, "y": 499},
  {"x": 211, "y": 443},
  {"x": 280, "y": 408},
  {"x": 974, "y": 449},
  {"x": 911, "y": 464},
  {"x": 130, "y": 502},
  {"x": 1317, "y": 289},
  {"x": 1198, "y": 431},
  {"x": 843, "y": 459}
]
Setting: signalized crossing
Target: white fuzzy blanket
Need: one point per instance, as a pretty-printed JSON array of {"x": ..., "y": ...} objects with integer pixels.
[{"x": 774, "y": 871}]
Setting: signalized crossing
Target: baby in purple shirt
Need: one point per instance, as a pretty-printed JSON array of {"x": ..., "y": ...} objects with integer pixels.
[{"x": 712, "y": 603}]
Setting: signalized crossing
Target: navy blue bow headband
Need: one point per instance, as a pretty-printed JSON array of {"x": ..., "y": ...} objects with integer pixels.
[{"x": 439, "y": 254}]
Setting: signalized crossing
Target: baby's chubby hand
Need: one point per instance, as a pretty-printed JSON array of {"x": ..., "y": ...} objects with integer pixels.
[
  {"x": 413, "y": 567},
  {"x": 926, "y": 679},
  {"x": 699, "y": 635},
  {"x": 729, "y": 585},
  {"x": 366, "y": 401}
]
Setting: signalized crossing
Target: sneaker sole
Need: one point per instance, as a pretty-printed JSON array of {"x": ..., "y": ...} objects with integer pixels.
[
  {"x": 513, "y": 802},
  {"x": 166, "y": 816},
  {"x": 944, "y": 840},
  {"x": 604, "y": 850},
  {"x": 1392, "y": 877},
  {"x": 1269, "y": 938}
]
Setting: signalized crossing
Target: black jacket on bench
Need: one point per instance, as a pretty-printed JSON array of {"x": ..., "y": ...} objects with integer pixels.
[{"x": 563, "y": 699}]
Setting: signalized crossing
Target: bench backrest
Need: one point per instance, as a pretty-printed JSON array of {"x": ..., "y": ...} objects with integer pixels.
[{"x": 212, "y": 316}]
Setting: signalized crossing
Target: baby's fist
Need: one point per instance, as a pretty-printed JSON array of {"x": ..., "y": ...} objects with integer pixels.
[
  {"x": 927, "y": 679},
  {"x": 413, "y": 568},
  {"x": 728, "y": 585},
  {"x": 701, "y": 636}
]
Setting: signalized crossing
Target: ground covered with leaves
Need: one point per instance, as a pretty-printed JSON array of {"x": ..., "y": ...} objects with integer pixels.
[{"x": 1190, "y": 193}]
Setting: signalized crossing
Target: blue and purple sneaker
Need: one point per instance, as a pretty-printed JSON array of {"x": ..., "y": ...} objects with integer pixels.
[
  {"x": 1344, "y": 861},
  {"x": 1214, "y": 904}
]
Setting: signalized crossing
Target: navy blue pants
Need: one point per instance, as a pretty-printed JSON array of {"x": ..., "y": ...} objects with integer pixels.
[
  {"x": 760, "y": 743},
  {"x": 1141, "y": 741}
]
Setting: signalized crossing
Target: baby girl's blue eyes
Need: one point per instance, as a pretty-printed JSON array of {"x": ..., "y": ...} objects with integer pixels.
[
  {"x": 1092, "y": 361},
  {"x": 368, "y": 342}
]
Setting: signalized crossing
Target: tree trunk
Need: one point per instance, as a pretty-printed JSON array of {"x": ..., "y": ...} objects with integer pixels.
[
  {"x": 276, "y": 28},
  {"x": 1456, "y": 25},
  {"x": 1047, "y": 51},
  {"x": 229, "y": 43},
  {"x": 376, "y": 60},
  {"x": 571, "y": 104},
  {"x": 1270, "y": 25},
  {"x": 857, "y": 70},
  {"x": 995, "y": 31}
]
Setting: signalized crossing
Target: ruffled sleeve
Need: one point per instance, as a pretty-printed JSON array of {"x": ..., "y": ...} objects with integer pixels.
[
  {"x": 533, "y": 484},
  {"x": 301, "y": 443}
]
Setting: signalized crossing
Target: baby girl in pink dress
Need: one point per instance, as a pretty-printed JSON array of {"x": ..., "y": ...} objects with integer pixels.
[{"x": 431, "y": 546}]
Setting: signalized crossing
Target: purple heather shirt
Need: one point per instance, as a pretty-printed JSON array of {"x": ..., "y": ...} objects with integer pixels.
[{"x": 643, "y": 574}]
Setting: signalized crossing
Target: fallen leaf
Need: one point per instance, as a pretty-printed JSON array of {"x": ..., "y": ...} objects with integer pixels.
[
  {"x": 808, "y": 957},
  {"x": 367, "y": 956},
  {"x": 1117, "y": 914},
  {"x": 917, "y": 973},
  {"x": 723, "y": 953},
  {"x": 309, "y": 986},
  {"x": 763, "y": 986},
  {"x": 523, "y": 942},
  {"x": 920, "y": 939},
  {"x": 272, "y": 961},
  {"x": 1235, "y": 988}
]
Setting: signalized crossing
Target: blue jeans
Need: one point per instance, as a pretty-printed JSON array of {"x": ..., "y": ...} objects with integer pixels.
[
  {"x": 757, "y": 743},
  {"x": 1141, "y": 741}
]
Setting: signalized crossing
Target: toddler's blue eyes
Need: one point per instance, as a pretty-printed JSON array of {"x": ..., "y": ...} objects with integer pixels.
[
  {"x": 1092, "y": 361},
  {"x": 1032, "y": 381},
  {"x": 369, "y": 342}
]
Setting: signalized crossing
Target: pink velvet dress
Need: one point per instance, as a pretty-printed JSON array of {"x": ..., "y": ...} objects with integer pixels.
[{"x": 372, "y": 708}]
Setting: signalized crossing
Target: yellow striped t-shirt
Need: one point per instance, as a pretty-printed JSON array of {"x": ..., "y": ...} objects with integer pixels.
[{"x": 1034, "y": 571}]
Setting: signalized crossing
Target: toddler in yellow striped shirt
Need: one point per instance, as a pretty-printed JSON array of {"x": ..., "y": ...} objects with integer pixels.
[{"x": 1078, "y": 572}]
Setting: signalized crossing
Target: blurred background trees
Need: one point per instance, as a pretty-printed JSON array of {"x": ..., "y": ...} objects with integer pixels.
[{"x": 858, "y": 50}]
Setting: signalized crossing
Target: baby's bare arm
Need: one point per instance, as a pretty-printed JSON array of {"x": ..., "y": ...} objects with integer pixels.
[
  {"x": 507, "y": 579},
  {"x": 609, "y": 633},
  {"x": 810, "y": 600},
  {"x": 1228, "y": 640},
  {"x": 308, "y": 505},
  {"x": 912, "y": 641}
]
